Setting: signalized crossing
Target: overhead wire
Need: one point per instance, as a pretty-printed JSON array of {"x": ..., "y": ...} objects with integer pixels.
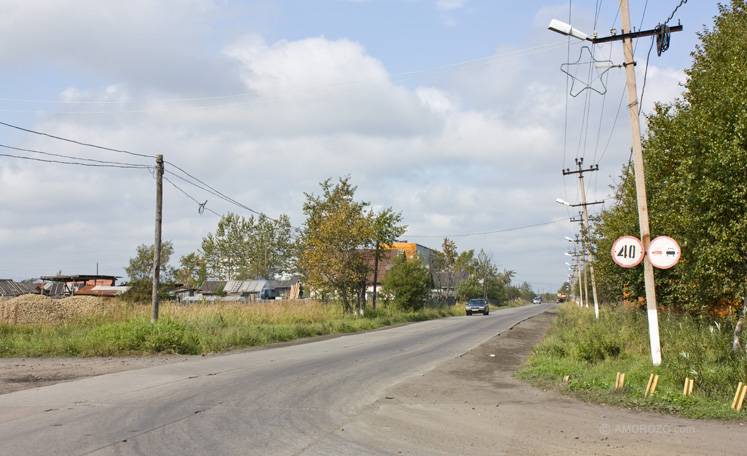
[
  {"x": 504, "y": 230},
  {"x": 622, "y": 94},
  {"x": 102, "y": 163},
  {"x": 111, "y": 164},
  {"x": 93, "y": 165},
  {"x": 201, "y": 206},
  {"x": 213, "y": 191},
  {"x": 74, "y": 141},
  {"x": 682, "y": 2}
]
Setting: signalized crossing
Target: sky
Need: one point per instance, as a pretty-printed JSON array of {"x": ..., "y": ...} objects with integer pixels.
[{"x": 460, "y": 114}]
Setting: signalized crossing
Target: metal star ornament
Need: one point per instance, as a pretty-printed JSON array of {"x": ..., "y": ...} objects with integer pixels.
[{"x": 587, "y": 73}]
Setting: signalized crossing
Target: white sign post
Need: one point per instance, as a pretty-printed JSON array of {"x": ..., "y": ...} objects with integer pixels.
[
  {"x": 664, "y": 252},
  {"x": 627, "y": 251}
]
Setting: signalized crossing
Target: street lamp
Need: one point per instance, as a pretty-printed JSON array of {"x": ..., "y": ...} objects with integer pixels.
[
  {"x": 567, "y": 30},
  {"x": 562, "y": 201}
]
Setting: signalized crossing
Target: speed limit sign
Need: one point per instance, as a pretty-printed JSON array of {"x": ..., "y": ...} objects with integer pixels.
[{"x": 627, "y": 251}]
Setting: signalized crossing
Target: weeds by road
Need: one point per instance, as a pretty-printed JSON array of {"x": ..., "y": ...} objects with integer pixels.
[
  {"x": 591, "y": 352},
  {"x": 120, "y": 329}
]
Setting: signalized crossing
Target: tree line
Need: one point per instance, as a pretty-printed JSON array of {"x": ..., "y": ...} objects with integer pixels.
[{"x": 335, "y": 253}]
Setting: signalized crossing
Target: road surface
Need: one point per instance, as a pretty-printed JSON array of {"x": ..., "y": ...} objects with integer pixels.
[{"x": 289, "y": 400}]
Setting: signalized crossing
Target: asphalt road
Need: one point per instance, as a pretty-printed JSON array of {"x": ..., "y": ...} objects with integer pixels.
[{"x": 288, "y": 400}]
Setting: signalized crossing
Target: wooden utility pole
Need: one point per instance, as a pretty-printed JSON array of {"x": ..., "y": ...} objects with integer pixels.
[
  {"x": 640, "y": 184},
  {"x": 580, "y": 172},
  {"x": 157, "y": 244}
]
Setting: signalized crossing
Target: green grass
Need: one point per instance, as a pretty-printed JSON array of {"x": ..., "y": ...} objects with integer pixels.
[
  {"x": 591, "y": 352},
  {"x": 126, "y": 330}
]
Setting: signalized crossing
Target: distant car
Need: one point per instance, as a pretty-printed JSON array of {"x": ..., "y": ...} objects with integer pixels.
[
  {"x": 477, "y": 305},
  {"x": 536, "y": 300}
]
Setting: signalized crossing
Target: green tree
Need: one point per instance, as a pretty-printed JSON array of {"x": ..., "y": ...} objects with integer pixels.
[
  {"x": 332, "y": 241},
  {"x": 449, "y": 250},
  {"x": 465, "y": 261},
  {"x": 485, "y": 271},
  {"x": 244, "y": 248},
  {"x": 407, "y": 284},
  {"x": 226, "y": 252},
  {"x": 507, "y": 276},
  {"x": 141, "y": 265},
  {"x": 468, "y": 289},
  {"x": 695, "y": 160},
  {"x": 385, "y": 230},
  {"x": 192, "y": 272}
]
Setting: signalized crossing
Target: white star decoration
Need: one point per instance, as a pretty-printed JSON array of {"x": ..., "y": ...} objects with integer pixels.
[{"x": 588, "y": 70}]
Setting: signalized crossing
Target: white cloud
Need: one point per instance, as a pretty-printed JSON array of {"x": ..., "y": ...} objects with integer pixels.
[
  {"x": 476, "y": 150},
  {"x": 448, "y": 5}
]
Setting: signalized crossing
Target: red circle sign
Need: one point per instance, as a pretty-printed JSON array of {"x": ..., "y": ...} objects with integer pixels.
[
  {"x": 664, "y": 252},
  {"x": 627, "y": 251}
]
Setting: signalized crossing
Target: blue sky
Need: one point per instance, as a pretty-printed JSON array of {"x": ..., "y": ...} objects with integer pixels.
[{"x": 454, "y": 112}]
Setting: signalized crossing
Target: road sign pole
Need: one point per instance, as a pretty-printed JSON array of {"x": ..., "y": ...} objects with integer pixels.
[{"x": 635, "y": 127}]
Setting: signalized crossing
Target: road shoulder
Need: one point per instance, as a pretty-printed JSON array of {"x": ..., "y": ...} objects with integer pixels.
[{"x": 474, "y": 405}]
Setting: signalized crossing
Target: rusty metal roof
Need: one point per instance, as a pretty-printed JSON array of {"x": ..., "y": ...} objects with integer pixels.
[{"x": 79, "y": 278}]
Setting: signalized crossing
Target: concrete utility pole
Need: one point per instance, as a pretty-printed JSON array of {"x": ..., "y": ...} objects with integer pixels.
[
  {"x": 157, "y": 244},
  {"x": 584, "y": 265},
  {"x": 580, "y": 172},
  {"x": 575, "y": 267},
  {"x": 376, "y": 274},
  {"x": 640, "y": 184},
  {"x": 581, "y": 268}
]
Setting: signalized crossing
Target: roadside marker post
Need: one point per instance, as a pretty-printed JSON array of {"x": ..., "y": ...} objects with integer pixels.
[
  {"x": 688, "y": 390},
  {"x": 651, "y": 388},
  {"x": 620, "y": 381},
  {"x": 739, "y": 397}
]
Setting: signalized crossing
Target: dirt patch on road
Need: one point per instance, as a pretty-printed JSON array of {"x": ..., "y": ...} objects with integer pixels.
[{"x": 24, "y": 373}]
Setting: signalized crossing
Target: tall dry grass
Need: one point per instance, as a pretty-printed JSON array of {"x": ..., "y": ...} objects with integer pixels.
[{"x": 124, "y": 329}]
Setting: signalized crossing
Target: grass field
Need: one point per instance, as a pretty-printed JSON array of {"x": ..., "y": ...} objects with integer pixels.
[
  {"x": 120, "y": 329},
  {"x": 591, "y": 352}
]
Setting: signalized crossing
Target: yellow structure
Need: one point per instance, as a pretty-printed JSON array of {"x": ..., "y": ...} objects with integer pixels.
[{"x": 411, "y": 250}]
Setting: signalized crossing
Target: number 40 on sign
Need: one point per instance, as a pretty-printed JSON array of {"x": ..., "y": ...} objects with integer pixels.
[{"x": 627, "y": 251}]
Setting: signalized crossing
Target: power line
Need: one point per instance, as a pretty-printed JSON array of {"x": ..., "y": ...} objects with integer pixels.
[
  {"x": 213, "y": 191},
  {"x": 76, "y": 142},
  {"x": 202, "y": 206},
  {"x": 109, "y": 164},
  {"x": 682, "y": 2},
  {"x": 93, "y": 165},
  {"x": 102, "y": 162},
  {"x": 485, "y": 232}
]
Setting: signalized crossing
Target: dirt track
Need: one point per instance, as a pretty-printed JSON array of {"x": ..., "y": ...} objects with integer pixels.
[{"x": 469, "y": 405}]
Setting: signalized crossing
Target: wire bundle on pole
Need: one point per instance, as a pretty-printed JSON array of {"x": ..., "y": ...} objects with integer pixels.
[{"x": 662, "y": 38}]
